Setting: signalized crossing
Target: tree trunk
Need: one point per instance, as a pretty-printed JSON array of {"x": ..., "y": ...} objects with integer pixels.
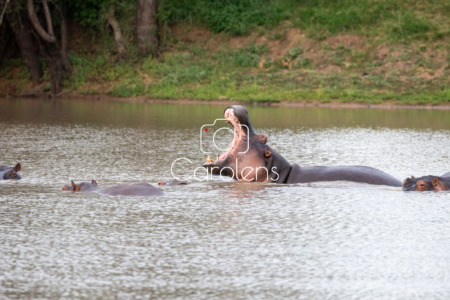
[
  {"x": 48, "y": 46},
  {"x": 117, "y": 33},
  {"x": 65, "y": 60},
  {"x": 21, "y": 29},
  {"x": 54, "y": 65},
  {"x": 3, "y": 11},
  {"x": 146, "y": 26},
  {"x": 57, "y": 60},
  {"x": 48, "y": 18},
  {"x": 49, "y": 37}
]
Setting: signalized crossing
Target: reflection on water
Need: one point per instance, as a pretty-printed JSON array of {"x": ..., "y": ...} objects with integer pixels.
[
  {"x": 50, "y": 111},
  {"x": 219, "y": 239}
]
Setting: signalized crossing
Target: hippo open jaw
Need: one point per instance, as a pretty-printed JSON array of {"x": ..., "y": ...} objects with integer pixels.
[
  {"x": 238, "y": 118},
  {"x": 238, "y": 131}
]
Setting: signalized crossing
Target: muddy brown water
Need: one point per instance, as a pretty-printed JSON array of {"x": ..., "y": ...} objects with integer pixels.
[{"x": 216, "y": 239}]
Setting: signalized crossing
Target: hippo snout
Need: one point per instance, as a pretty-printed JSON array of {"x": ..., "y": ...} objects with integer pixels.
[{"x": 67, "y": 188}]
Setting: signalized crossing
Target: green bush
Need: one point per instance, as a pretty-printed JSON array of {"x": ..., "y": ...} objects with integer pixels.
[
  {"x": 180, "y": 69},
  {"x": 342, "y": 15},
  {"x": 410, "y": 26},
  {"x": 233, "y": 16},
  {"x": 400, "y": 19},
  {"x": 87, "y": 12},
  {"x": 247, "y": 57}
]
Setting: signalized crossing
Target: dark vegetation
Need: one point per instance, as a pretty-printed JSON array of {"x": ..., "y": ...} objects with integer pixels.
[{"x": 368, "y": 51}]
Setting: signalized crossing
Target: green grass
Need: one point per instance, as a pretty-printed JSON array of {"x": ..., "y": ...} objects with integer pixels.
[
  {"x": 396, "y": 19},
  {"x": 236, "y": 17},
  {"x": 234, "y": 74},
  {"x": 400, "y": 20}
]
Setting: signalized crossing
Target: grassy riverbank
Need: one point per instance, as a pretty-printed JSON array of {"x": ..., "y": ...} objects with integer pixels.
[{"x": 347, "y": 51}]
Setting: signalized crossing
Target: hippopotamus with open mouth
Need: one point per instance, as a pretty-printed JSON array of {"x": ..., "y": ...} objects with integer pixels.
[
  {"x": 139, "y": 189},
  {"x": 250, "y": 159},
  {"x": 10, "y": 172},
  {"x": 427, "y": 183}
]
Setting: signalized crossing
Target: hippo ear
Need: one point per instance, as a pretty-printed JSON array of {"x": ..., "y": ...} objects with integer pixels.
[
  {"x": 73, "y": 184},
  {"x": 435, "y": 182},
  {"x": 262, "y": 137},
  {"x": 94, "y": 182},
  {"x": 412, "y": 176},
  {"x": 267, "y": 152},
  {"x": 161, "y": 183},
  {"x": 17, "y": 167}
]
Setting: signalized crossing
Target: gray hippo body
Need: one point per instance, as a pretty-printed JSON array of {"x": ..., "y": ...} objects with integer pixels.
[
  {"x": 136, "y": 190},
  {"x": 446, "y": 175},
  {"x": 341, "y": 173}
]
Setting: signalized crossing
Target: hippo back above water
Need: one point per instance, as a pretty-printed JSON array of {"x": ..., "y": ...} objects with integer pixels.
[
  {"x": 10, "y": 172},
  {"x": 361, "y": 174},
  {"x": 446, "y": 175},
  {"x": 135, "y": 190},
  {"x": 138, "y": 189}
]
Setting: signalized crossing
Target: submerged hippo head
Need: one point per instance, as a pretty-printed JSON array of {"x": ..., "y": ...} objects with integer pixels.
[
  {"x": 81, "y": 187},
  {"x": 248, "y": 158},
  {"x": 10, "y": 172},
  {"x": 174, "y": 182},
  {"x": 426, "y": 183}
]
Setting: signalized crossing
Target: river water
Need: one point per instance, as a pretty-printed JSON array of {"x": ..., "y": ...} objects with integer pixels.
[{"x": 216, "y": 239}]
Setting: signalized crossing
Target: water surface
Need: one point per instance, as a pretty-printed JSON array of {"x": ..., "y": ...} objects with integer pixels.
[{"x": 215, "y": 239}]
